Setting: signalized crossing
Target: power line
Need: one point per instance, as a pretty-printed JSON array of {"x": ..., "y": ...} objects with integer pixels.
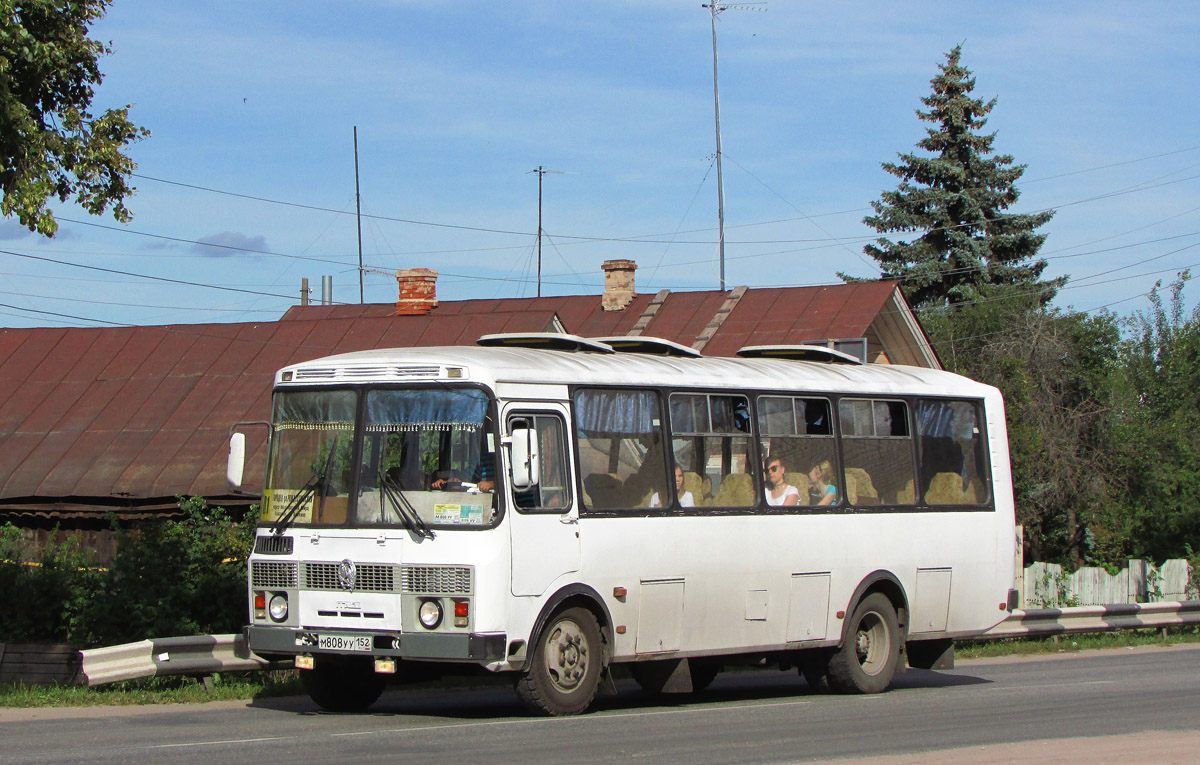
[{"x": 147, "y": 276}]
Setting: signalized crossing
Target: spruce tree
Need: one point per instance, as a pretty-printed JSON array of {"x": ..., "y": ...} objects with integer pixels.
[{"x": 968, "y": 246}]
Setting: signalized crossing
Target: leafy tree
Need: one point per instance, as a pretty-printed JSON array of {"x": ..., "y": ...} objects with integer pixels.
[
  {"x": 1157, "y": 433},
  {"x": 50, "y": 143},
  {"x": 957, "y": 198},
  {"x": 1053, "y": 368}
]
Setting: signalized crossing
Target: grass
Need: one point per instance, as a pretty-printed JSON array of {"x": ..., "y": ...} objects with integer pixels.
[
  {"x": 155, "y": 690},
  {"x": 233, "y": 686},
  {"x": 981, "y": 649}
]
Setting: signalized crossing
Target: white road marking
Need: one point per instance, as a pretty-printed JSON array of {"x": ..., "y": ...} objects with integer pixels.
[{"x": 216, "y": 743}]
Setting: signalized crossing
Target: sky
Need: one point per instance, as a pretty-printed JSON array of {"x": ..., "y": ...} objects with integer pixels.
[{"x": 247, "y": 183}]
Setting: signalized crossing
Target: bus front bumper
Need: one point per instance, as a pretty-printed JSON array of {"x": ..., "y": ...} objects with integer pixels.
[{"x": 420, "y": 646}]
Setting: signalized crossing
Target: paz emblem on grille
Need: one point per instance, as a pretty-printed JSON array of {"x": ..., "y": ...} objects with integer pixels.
[{"x": 346, "y": 574}]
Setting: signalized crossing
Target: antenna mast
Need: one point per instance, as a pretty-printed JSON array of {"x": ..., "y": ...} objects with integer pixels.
[
  {"x": 358, "y": 217},
  {"x": 541, "y": 172},
  {"x": 715, "y": 8}
]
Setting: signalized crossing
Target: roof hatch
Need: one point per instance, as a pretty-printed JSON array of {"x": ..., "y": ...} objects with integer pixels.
[
  {"x": 798, "y": 353},
  {"x": 655, "y": 346},
  {"x": 548, "y": 341}
]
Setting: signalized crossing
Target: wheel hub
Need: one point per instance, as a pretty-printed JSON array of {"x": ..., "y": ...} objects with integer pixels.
[{"x": 568, "y": 656}]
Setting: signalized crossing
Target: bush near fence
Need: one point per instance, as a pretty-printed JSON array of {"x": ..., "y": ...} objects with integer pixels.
[{"x": 168, "y": 577}]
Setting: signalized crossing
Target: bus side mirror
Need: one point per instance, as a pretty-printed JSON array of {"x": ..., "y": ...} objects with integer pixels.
[
  {"x": 237, "y": 460},
  {"x": 524, "y": 457}
]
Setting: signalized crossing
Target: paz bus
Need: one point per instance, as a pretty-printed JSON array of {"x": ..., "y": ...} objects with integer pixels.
[{"x": 550, "y": 506}]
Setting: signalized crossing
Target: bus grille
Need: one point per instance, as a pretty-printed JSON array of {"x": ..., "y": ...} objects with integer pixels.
[
  {"x": 436, "y": 580},
  {"x": 316, "y": 374},
  {"x": 368, "y": 577},
  {"x": 273, "y": 545},
  {"x": 272, "y": 574}
]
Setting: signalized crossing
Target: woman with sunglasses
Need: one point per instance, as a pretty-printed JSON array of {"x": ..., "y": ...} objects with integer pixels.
[{"x": 779, "y": 491}]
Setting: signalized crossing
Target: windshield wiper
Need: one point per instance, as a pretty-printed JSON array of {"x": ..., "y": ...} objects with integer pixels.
[
  {"x": 402, "y": 507},
  {"x": 306, "y": 492}
]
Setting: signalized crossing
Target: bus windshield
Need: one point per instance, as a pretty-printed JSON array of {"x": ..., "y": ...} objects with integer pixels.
[{"x": 426, "y": 458}]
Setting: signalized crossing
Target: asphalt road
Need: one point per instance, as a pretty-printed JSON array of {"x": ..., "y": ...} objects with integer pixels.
[{"x": 745, "y": 716}]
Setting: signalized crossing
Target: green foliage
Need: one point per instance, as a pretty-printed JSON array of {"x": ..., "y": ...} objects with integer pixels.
[
  {"x": 169, "y": 577},
  {"x": 1103, "y": 419},
  {"x": 47, "y": 595},
  {"x": 957, "y": 196},
  {"x": 1157, "y": 432},
  {"x": 1193, "y": 582},
  {"x": 50, "y": 143},
  {"x": 1053, "y": 368},
  {"x": 183, "y": 577}
]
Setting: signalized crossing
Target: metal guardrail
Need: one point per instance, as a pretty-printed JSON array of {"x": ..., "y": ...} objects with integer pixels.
[
  {"x": 206, "y": 654},
  {"x": 1124, "y": 616},
  {"x": 198, "y": 655}
]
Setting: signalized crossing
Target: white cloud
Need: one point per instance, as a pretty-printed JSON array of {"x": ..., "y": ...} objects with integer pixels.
[{"x": 229, "y": 244}]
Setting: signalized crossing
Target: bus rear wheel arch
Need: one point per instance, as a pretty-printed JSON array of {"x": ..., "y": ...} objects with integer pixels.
[
  {"x": 869, "y": 656},
  {"x": 565, "y": 669}
]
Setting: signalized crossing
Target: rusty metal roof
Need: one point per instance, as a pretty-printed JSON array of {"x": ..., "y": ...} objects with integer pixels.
[{"x": 127, "y": 418}]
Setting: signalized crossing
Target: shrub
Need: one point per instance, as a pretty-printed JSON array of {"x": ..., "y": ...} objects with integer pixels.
[{"x": 169, "y": 577}]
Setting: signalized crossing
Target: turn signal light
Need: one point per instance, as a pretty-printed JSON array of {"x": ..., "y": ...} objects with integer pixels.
[
  {"x": 462, "y": 613},
  {"x": 260, "y": 605}
]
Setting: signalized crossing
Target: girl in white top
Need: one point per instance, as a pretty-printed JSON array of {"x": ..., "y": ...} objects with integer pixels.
[
  {"x": 685, "y": 497},
  {"x": 779, "y": 491}
]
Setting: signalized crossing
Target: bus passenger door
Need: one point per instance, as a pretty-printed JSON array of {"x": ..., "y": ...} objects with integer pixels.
[{"x": 543, "y": 519}]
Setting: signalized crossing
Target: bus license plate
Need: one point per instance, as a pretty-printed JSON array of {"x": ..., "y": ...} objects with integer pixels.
[{"x": 344, "y": 642}]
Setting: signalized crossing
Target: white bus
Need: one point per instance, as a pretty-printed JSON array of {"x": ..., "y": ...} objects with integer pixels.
[{"x": 551, "y": 506}]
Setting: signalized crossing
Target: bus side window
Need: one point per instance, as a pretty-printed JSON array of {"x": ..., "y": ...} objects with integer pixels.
[
  {"x": 878, "y": 450},
  {"x": 952, "y": 456},
  {"x": 710, "y": 440},
  {"x": 797, "y": 433},
  {"x": 622, "y": 463}
]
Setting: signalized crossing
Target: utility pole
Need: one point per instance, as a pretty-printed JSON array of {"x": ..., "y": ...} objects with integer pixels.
[
  {"x": 715, "y": 8},
  {"x": 358, "y": 217},
  {"x": 541, "y": 171}
]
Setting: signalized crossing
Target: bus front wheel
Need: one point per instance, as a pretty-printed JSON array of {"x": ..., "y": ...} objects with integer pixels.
[
  {"x": 567, "y": 660},
  {"x": 867, "y": 659}
]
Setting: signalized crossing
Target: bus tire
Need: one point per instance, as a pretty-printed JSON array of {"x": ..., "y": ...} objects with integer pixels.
[
  {"x": 867, "y": 659},
  {"x": 567, "y": 661},
  {"x": 343, "y": 685}
]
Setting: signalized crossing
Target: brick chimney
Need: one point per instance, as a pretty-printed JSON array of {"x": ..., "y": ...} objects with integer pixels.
[
  {"x": 418, "y": 291},
  {"x": 618, "y": 284}
]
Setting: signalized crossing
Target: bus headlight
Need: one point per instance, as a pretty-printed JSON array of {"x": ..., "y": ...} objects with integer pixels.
[
  {"x": 430, "y": 614},
  {"x": 278, "y": 607}
]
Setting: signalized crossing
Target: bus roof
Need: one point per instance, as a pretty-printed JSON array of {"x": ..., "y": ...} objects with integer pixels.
[{"x": 492, "y": 365}]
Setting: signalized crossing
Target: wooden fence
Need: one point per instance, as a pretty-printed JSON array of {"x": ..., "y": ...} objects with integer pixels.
[
  {"x": 51, "y": 664},
  {"x": 1046, "y": 585}
]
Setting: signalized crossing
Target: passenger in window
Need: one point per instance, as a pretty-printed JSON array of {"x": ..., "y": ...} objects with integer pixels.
[
  {"x": 685, "y": 497},
  {"x": 821, "y": 490},
  {"x": 780, "y": 493}
]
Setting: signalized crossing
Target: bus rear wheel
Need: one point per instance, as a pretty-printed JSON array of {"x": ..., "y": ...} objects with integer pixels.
[
  {"x": 867, "y": 660},
  {"x": 343, "y": 684},
  {"x": 567, "y": 661}
]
